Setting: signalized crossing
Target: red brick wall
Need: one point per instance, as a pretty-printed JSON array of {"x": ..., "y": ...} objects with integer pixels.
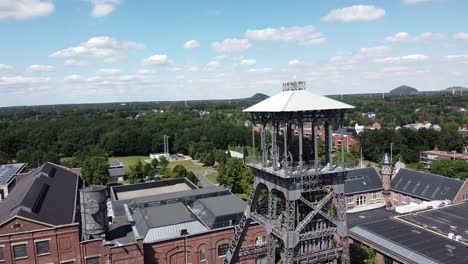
[
  {"x": 464, "y": 189},
  {"x": 63, "y": 242},
  {"x": 172, "y": 252}
]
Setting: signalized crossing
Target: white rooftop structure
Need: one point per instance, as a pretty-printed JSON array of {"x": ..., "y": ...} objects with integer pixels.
[{"x": 295, "y": 101}]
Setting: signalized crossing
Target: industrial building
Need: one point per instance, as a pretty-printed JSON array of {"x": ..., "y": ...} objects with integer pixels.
[
  {"x": 175, "y": 219},
  {"x": 429, "y": 156},
  {"x": 437, "y": 236},
  {"x": 48, "y": 217}
]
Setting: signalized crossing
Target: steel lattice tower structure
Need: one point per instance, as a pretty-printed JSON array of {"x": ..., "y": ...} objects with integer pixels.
[{"x": 297, "y": 196}]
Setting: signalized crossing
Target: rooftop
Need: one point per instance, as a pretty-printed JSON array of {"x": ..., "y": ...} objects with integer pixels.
[
  {"x": 362, "y": 180},
  {"x": 296, "y": 101},
  {"x": 411, "y": 243},
  {"x": 368, "y": 216},
  {"x": 8, "y": 171},
  {"x": 47, "y": 194},
  {"x": 425, "y": 185}
]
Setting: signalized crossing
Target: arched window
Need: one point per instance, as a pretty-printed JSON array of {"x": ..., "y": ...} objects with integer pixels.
[
  {"x": 222, "y": 249},
  {"x": 202, "y": 255},
  {"x": 260, "y": 241}
]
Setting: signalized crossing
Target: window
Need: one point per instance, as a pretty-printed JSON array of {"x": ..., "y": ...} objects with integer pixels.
[
  {"x": 20, "y": 251},
  {"x": 222, "y": 250},
  {"x": 395, "y": 196},
  {"x": 2, "y": 257},
  {"x": 68, "y": 262},
  {"x": 375, "y": 195},
  {"x": 350, "y": 199},
  {"x": 388, "y": 260},
  {"x": 465, "y": 196},
  {"x": 202, "y": 255},
  {"x": 361, "y": 200},
  {"x": 42, "y": 247},
  {"x": 92, "y": 260},
  {"x": 414, "y": 200},
  {"x": 260, "y": 241},
  {"x": 262, "y": 260}
]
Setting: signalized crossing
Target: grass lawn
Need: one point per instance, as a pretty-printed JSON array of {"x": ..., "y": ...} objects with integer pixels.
[
  {"x": 213, "y": 177},
  {"x": 188, "y": 164},
  {"x": 129, "y": 161}
]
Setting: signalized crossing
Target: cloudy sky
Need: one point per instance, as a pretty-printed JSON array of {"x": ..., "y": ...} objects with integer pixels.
[{"x": 83, "y": 51}]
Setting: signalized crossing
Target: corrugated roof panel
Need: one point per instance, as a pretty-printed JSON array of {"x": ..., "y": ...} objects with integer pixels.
[{"x": 173, "y": 231}]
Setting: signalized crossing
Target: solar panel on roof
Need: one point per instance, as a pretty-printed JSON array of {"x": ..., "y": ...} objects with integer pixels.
[{"x": 435, "y": 192}]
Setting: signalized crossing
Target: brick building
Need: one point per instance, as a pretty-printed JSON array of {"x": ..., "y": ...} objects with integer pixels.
[
  {"x": 366, "y": 189},
  {"x": 429, "y": 156}
]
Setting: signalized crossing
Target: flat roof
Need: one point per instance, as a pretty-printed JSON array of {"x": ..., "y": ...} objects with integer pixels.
[
  {"x": 450, "y": 219},
  {"x": 354, "y": 219},
  {"x": 394, "y": 237},
  {"x": 178, "y": 187},
  {"x": 223, "y": 205},
  {"x": 8, "y": 171},
  {"x": 168, "y": 214}
]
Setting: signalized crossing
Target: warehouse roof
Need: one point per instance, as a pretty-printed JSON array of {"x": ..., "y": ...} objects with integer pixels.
[
  {"x": 362, "y": 180},
  {"x": 223, "y": 205},
  {"x": 298, "y": 100},
  {"x": 425, "y": 185},
  {"x": 47, "y": 194},
  {"x": 411, "y": 243}
]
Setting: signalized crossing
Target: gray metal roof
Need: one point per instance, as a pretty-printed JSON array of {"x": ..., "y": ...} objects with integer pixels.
[
  {"x": 359, "y": 218},
  {"x": 168, "y": 214},
  {"x": 295, "y": 101},
  {"x": 362, "y": 180},
  {"x": 173, "y": 231},
  {"x": 8, "y": 171},
  {"x": 394, "y": 237},
  {"x": 223, "y": 205},
  {"x": 425, "y": 185},
  {"x": 116, "y": 172},
  {"x": 46, "y": 194}
]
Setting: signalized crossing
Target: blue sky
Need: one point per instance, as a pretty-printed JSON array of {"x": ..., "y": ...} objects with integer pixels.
[{"x": 83, "y": 51}]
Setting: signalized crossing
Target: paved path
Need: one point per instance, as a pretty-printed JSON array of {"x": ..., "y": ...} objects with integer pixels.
[{"x": 201, "y": 175}]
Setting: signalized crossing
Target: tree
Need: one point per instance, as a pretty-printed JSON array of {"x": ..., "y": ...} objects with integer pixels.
[
  {"x": 148, "y": 170},
  {"x": 95, "y": 171},
  {"x": 209, "y": 159},
  {"x": 221, "y": 171},
  {"x": 450, "y": 168},
  {"x": 179, "y": 171},
  {"x": 361, "y": 254},
  {"x": 233, "y": 174},
  {"x": 163, "y": 162},
  {"x": 191, "y": 176},
  {"x": 155, "y": 164},
  {"x": 3, "y": 158}
]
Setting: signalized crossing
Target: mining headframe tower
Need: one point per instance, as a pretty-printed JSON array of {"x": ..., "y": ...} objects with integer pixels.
[{"x": 298, "y": 195}]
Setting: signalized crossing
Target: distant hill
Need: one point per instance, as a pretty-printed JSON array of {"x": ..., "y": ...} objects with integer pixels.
[
  {"x": 258, "y": 96},
  {"x": 457, "y": 89},
  {"x": 403, "y": 90}
]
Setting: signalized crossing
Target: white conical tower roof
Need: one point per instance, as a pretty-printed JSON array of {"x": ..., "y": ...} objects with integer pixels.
[{"x": 297, "y": 101}]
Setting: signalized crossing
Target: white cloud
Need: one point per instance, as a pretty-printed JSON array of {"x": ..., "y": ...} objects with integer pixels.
[
  {"x": 103, "y": 7},
  {"x": 403, "y": 59},
  {"x": 76, "y": 63},
  {"x": 73, "y": 78},
  {"x": 261, "y": 70},
  {"x": 306, "y": 35},
  {"x": 355, "y": 13},
  {"x": 191, "y": 44},
  {"x": 40, "y": 68},
  {"x": 411, "y": 2},
  {"x": 295, "y": 62},
  {"x": 231, "y": 45},
  {"x": 24, "y": 9},
  {"x": 15, "y": 80},
  {"x": 157, "y": 59},
  {"x": 109, "y": 71},
  {"x": 461, "y": 36},
  {"x": 145, "y": 72},
  {"x": 247, "y": 62},
  {"x": 4, "y": 67},
  {"x": 212, "y": 64},
  {"x": 457, "y": 58},
  {"x": 375, "y": 51},
  {"x": 102, "y": 46},
  {"x": 422, "y": 38}
]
